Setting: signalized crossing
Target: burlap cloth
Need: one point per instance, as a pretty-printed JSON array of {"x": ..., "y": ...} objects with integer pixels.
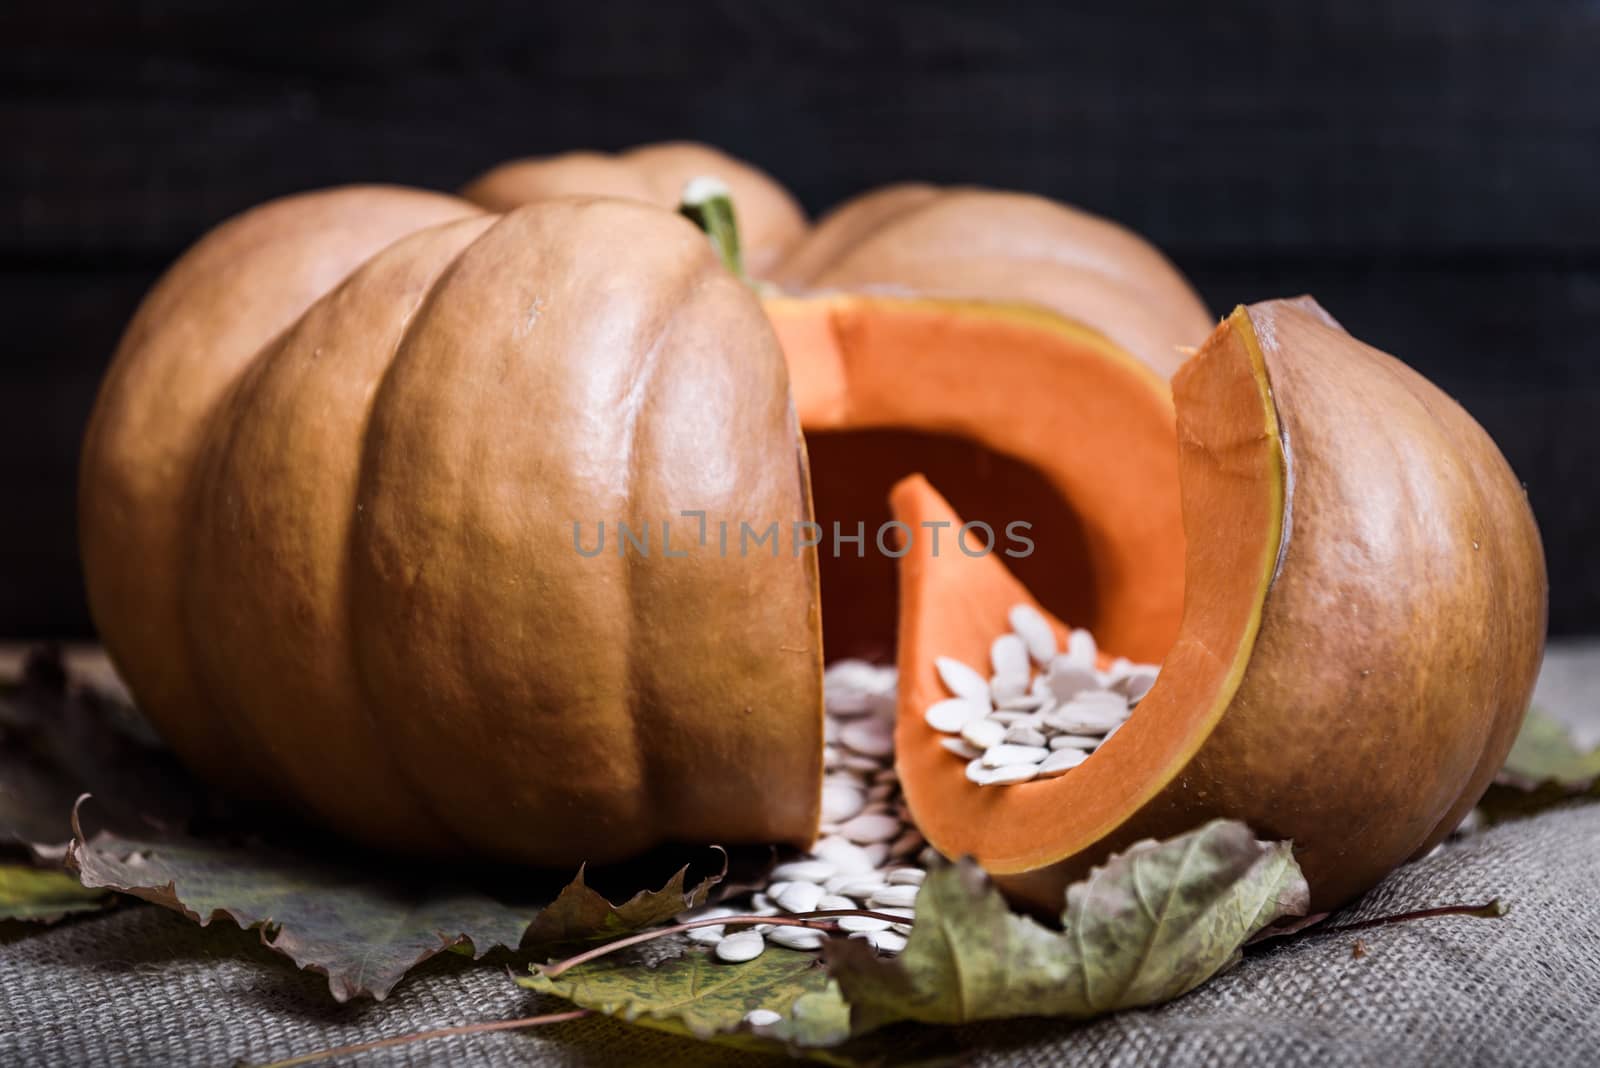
[{"x": 142, "y": 986}]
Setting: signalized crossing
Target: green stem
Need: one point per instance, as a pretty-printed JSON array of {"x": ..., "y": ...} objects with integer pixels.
[{"x": 708, "y": 204}]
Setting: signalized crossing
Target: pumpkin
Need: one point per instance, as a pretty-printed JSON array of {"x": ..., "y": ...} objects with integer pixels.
[
  {"x": 332, "y": 496},
  {"x": 1363, "y": 622},
  {"x": 770, "y": 221}
]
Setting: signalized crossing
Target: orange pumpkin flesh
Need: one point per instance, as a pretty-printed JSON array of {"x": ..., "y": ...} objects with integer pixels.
[
  {"x": 1362, "y": 625},
  {"x": 1052, "y": 404}
]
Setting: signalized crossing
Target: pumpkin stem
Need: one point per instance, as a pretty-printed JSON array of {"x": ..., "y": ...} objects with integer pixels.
[{"x": 708, "y": 204}]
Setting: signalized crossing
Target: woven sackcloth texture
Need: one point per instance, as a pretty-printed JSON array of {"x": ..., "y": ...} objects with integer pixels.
[{"x": 142, "y": 986}]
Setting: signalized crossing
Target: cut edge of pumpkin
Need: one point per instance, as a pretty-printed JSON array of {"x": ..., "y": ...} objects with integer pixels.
[{"x": 1234, "y": 484}]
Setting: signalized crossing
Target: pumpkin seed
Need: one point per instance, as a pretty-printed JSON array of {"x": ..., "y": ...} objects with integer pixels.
[
  {"x": 1001, "y": 755},
  {"x": 862, "y": 923},
  {"x": 706, "y": 936},
  {"x": 1031, "y": 626},
  {"x": 765, "y": 1017},
  {"x": 953, "y": 713},
  {"x": 869, "y": 737},
  {"x": 799, "y": 897},
  {"x": 843, "y": 854},
  {"x": 1075, "y": 741},
  {"x": 840, "y": 801},
  {"x": 1008, "y": 655},
  {"x": 740, "y": 947},
  {"x": 961, "y": 748},
  {"x": 796, "y": 937},
  {"x": 887, "y": 941},
  {"x": 871, "y": 827},
  {"x": 1062, "y": 760},
  {"x": 1006, "y": 687},
  {"x": 902, "y": 895},
  {"x": 962, "y": 680},
  {"x": 1007, "y": 774},
  {"x": 1081, "y": 648},
  {"x": 984, "y": 733},
  {"x": 1067, "y": 680},
  {"x": 905, "y": 876},
  {"x": 1028, "y": 702},
  {"x": 876, "y": 853},
  {"x": 1023, "y": 734}
]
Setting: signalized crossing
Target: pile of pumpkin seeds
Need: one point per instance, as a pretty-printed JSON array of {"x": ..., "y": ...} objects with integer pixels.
[
  {"x": 1042, "y": 711},
  {"x": 869, "y": 856}
]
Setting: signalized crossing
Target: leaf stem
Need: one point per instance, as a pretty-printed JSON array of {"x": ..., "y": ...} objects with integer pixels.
[
  {"x": 1489, "y": 910},
  {"x": 423, "y": 1036},
  {"x": 819, "y": 920}
]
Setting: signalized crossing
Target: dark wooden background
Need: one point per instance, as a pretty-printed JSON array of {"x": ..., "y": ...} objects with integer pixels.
[{"x": 1427, "y": 168}]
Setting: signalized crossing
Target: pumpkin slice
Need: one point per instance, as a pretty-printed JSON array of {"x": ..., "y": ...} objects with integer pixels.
[
  {"x": 1363, "y": 621},
  {"x": 1018, "y": 415}
]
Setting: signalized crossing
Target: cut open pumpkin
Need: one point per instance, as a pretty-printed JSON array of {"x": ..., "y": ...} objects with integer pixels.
[
  {"x": 1018, "y": 415},
  {"x": 1361, "y": 628}
]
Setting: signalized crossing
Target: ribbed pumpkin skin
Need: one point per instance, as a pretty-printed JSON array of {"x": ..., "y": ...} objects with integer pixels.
[{"x": 328, "y": 500}]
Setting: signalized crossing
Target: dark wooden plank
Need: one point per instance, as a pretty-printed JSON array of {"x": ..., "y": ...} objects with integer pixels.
[
  {"x": 1513, "y": 344},
  {"x": 1252, "y": 126}
]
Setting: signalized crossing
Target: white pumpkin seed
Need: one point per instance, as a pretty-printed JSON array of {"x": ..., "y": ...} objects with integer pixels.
[
  {"x": 902, "y": 895},
  {"x": 887, "y": 941},
  {"x": 740, "y": 947},
  {"x": 861, "y": 923},
  {"x": 1068, "y": 680},
  {"x": 864, "y": 887},
  {"x": 962, "y": 680},
  {"x": 869, "y": 737},
  {"x": 1136, "y": 684},
  {"x": 1008, "y": 774},
  {"x": 1087, "y": 742},
  {"x": 1027, "y": 702},
  {"x": 1001, "y": 755},
  {"x": 1006, "y": 687},
  {"x": 876, "y": 853},
  {"x": 795, "y": 937},
  {"x": 799, "y": 897},
  {"x": 953, "y": 713},
  {"x": 905, "y": 876},
  {"x": 1034, "y": 630},
  {"x": 764, "y": 1017},
  {"x": 843, "y": 854},
  {"x": 1023, "y": 734},
  {"x": 961, "y": 748},
  {"x": 1008, "y": 655},
  {"x": 811, "y": 871},
  {"x": 840, "y": 801},
  {"x": 1062, "y": 760},
  {"x": 1081, "y": 648},
  {"x": 984, "y": 733},
  {"x": 871, "y": 827},
  {"x": 839, "y": 901}
]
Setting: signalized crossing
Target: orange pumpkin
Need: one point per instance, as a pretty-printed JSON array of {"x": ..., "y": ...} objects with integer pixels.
[{"x": 330, "y": 502}]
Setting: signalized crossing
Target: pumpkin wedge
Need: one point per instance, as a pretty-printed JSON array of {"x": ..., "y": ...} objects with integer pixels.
[
  {"x": 1363, "y": 621},
  {"x": 340, "y": 507}
]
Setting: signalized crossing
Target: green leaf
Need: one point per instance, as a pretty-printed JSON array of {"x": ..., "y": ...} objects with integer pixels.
[
  {"x": 579, "y": 914},
  {"x": 1544, "y": 752},
  {"x": 44, "y": 896},
  {"x": 1153, "y": 923},
  {"x": 1543, "y": 769},
  {"x": 694, "y": 994}
]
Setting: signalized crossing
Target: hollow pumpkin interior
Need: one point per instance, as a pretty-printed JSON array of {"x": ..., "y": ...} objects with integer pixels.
[
  {"x": 1016, "y": 415},
  {"x": 1233, "y": 485}
]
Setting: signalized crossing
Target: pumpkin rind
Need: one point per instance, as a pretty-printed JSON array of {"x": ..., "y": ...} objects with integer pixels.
[{"x": 381, "y": 609}]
